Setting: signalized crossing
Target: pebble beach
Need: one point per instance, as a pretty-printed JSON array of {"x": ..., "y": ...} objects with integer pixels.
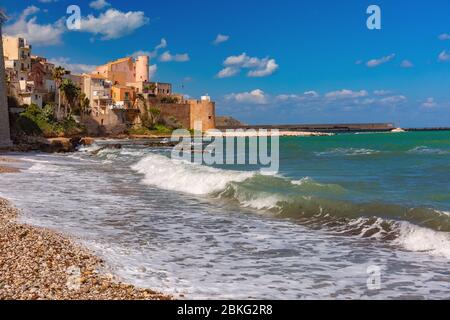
[{"x": 40, "y": 264}]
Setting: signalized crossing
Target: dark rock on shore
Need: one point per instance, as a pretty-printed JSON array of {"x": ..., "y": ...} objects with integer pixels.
[{"x": 116, "y": 146}]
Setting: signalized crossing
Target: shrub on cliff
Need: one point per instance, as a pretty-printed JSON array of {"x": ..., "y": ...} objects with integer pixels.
[{"x": 42, "y": 122}]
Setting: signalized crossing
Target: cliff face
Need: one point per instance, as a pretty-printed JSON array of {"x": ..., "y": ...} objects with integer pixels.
[
  {"x": 226, "y": 121},
  {"x": 5, "y": 138}
]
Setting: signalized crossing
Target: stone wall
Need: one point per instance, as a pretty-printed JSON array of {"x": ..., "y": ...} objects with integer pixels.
[
  {"x": 175, "y": 112},
  {"x": 5, "y": 135},
  {"x": 204, "y": 112}
]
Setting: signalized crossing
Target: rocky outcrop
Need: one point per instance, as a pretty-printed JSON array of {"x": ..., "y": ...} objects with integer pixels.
[{"x": 53, "y": 145}]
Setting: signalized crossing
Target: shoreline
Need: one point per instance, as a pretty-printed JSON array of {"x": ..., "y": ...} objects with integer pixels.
[{"x": 41, "y": 264}]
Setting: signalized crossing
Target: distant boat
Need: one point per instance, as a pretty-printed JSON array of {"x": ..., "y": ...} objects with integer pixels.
[{"x": 398, "y": 130}]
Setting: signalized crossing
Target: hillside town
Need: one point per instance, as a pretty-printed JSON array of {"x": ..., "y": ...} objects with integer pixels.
[{"x": 117, "y": 97}]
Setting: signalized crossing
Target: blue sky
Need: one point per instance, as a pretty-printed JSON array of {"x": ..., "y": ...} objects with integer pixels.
[{"x": 285, "y": 61}]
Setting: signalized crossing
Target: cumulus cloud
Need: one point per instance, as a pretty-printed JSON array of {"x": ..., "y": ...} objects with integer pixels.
[
  {"x": 444, "y": 56},
  {"x": 228, "y": 72},
  {"x": 75, "y": 68},
  {"x": 256, "y": 96},
  {"x": 26, "y": 26},
  {"x": 346, "y": 94},
  {"x": 429, "y": 103},
  {"x": 339, "y": 100},
  {"x": 444, "y": 36},
  {"x": 168, "y": 57},
  {"x": 381, "y": 92},
  {"x": 377, "y": 62},
  {"x": 308, "y": 95},
  {"x": 406, "y": 64},
  {"x": 114, "y": 24},
  {"x": 152, "y": 70},
  {"x": 258, "y": 67},
  {"x": 221, "y": 38},
  {"x": 393, "y": 100},
  {"x": 99, "y": 4}
]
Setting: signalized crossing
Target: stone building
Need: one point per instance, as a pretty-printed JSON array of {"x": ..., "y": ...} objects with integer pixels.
[
  {"x": 186, "y": 113},
  {"x": 125, "y": 70},
  {"x": 5, "y": 135}
]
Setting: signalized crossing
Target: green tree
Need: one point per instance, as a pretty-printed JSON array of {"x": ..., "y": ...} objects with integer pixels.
[
  {"x": 58, "y": 74},
  {"x": 71, "y": 94}
]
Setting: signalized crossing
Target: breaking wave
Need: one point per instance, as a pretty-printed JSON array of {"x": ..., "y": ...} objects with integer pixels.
[{"x": 304, "y": 201}]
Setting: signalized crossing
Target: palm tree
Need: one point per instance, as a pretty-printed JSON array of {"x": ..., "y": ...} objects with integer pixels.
[
  {"x": 84, "y": 104},
  {"x": 71, "y": 93},
  {"x": 58, "y": 74}
]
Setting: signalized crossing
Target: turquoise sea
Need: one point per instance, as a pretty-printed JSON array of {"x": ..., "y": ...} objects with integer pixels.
[{"x": 339, "y": 207}]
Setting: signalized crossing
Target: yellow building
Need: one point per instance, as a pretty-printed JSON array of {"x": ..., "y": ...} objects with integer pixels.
[
  {"x": 125, "y": 70},
  {"x": 17, "y": 52},
  {"x": 123, "y": 96}
]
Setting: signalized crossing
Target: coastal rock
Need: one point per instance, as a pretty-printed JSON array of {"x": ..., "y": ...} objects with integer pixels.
[{"x": 116, "y": 146}]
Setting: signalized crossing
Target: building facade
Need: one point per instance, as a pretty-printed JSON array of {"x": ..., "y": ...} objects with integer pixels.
[
  {"x": 125, "y": 70},
  {"x": 5, "y": 134}
]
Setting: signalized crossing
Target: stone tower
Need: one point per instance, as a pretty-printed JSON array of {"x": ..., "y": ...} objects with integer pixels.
[
  {"x": 5, "y": 135},
  {"x": 142, "y": 71}
]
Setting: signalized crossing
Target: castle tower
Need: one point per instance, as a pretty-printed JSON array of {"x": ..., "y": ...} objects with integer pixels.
[
  {"x": 5, "y": 135},
  {"x": 142, "y": 69}
]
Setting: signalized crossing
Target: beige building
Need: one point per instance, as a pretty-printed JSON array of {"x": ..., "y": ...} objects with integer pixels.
[
  {"x": 125, "y": 70},
  {"x": 5, "y": 135},
  {"x": 187, "y": 112},
  {"x": 19, "y": 51},
  {"x": 98, "y": 90}
]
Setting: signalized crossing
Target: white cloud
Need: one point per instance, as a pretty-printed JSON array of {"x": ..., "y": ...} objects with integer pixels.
[
  {"x": 393, "y": 100},
  {"x": 162, "y": 44},
  {"x": 381, "y": 92},
  {"x": 429, "y": 103},
  {"x": 114, "y": 24},
  {"x": 99, "y": 4},
  {"x": 168, "y": 57},
  {"x": 297, "y": 97},
  {"x": 444, "y": 56},
  {"x": 228, "y": 72},
  {"x": 377, "y": 62},
  {"x": 257, "y": 67},
  {"x": 152, "y": 70},
  {"x": 152, "y": 54},
  {"x": 346, "y": 94},
  {"x": 335, "y": 101},
  {"x": 444, "y": 36},
  {"x": 267, "y": 68},
  {"x": 256, "y": 96},
  {"x": 407, "y": 64},
  {"x": 75, "y": 68},
  {"x": 221, "y": 38},
  {"x": 26, "y": 26}
]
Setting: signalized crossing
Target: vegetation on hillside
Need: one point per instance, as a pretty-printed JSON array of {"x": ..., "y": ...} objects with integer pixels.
[{"x": 42, "y": 122}]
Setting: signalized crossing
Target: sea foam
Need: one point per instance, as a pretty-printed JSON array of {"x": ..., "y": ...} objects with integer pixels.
[{"x": 181, "y": 176}]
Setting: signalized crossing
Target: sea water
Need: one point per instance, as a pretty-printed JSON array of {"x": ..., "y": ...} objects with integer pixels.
[{"x": 339, "y": 207}]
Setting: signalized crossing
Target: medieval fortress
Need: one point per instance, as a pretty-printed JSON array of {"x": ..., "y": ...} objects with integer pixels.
[{"x": 120, "y": 92}]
